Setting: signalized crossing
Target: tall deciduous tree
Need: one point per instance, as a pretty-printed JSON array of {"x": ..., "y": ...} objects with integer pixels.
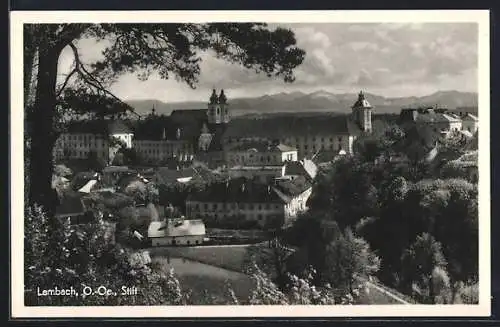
[
  {"x": 419, "y": 263},
  {"x": 168, "y": 49}
]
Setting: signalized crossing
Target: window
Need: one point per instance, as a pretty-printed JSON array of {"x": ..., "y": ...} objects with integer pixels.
[
  {"x": 250, "y": 206},
  {"x": 260, "y": 207},
  {"x": 206, "y": 206},
  {"x": 259, "y": 217},
  {"x": 268, "y": 206},
  {"x": 196, "y": 242},
  {"x": 322, "y": 139},
  {"x": 187, "y": 242}
]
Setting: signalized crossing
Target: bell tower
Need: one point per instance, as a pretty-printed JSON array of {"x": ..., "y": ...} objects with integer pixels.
[
  {"x": 218, "y": 112},
  {"x": 224, "y": 108},
  {"x": 362, "y": 113},
  {"x": 213, "y": 109}
]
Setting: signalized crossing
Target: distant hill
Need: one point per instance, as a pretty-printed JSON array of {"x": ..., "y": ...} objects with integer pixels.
[{"x": 319, "y": 101}]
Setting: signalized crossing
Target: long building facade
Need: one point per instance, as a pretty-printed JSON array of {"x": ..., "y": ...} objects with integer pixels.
[
  {"x": 102, "y": 137},
  {"x": 242, "y": 200},
  {"x": 212, "y": 135}
]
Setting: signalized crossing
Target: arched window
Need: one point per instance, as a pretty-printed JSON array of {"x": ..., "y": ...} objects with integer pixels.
[{"x": 218, "y": 111}]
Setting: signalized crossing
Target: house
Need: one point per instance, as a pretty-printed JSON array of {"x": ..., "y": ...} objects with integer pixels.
[
  {"x": 262, "y": 173},
  {"x": 173, "y": 233},
  {"x": 442, "y": 121},
  {"x": 305, "y": 168},
  {"x": 166, "y": 176},
  {"x": 470, "y": 123},
  {"x": 112, "y": 174},
  {"x": 89, "y": 186},
  {"x": 258, "y": 153},
  {"x": 240, "y": 200},
  {"x": 73, "y": 209},
  {"x": 468, "y": 163}
]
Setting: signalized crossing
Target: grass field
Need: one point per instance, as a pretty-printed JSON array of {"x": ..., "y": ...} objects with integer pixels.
[
  {"x": 230, "y": 258},
  {"x": 204, "y": 281}
]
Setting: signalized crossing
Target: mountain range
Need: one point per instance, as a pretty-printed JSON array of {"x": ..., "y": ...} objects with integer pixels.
[{"x": 319, "y": 101}]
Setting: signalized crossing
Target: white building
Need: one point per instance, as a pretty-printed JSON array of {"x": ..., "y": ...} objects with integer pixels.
[
  {"x": 241, "y": 201},
  {"x": 470, "y": 123},
  {"x": 103, "y": 137},
  {"x": 173, "y": 233},
  {"x": 260, "y": 153}
]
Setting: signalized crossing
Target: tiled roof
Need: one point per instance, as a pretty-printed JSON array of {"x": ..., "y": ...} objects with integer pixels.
[
  {"x": 245, "y": 191},
  {"x": 263, "y": 146},
  {"x": 71, "y": 203},
  {"x": 167, "y": 176},
  {"x": 470, "y": 117},
  {"x": 188, "y": 115},
  {"x": 451, "y": 117},
  {"x": 277, "y": 127},
  {"x": 171, "y": 229},
  {"x": 297, "y": 168},
  {"x": 432, "y": 118},
  {"x": 101, "y": 126},
  {"x": 169, "y": 128},
  {"x": 237, "y": 191},
  {"x": 294, "y": 186}
]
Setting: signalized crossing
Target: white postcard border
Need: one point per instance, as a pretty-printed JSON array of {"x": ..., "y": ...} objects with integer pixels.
[{"x": 18, "y": 18}]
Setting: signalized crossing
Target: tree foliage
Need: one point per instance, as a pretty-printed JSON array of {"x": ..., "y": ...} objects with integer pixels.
[
  {"x": 420, "y": 262},
  {"x": 57, "y": 254}
]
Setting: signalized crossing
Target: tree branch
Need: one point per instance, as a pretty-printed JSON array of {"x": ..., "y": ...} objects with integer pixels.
[
  {"x": 66, "y": 80},
  {"x": 91, "y": 80}
]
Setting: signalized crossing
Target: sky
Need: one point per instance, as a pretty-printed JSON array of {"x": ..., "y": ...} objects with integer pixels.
[{"x": 387, "y": 59}]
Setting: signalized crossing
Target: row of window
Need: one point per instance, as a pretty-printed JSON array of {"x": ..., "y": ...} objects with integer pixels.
[
  {"x": 297, "y": 140},
  {"x": 226, "y": 205},
  {"x": 84, "y": 144},
  {"x": 215, "y": 216}
]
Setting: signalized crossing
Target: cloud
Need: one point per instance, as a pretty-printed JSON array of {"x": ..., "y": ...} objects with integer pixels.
[{"x": 391, "y": 59}]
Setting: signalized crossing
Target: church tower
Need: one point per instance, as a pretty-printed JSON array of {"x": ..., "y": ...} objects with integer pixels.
[
  {"x": 224, "y": 107},
  {"x": 362, "y": 113},
  {"x": 218, "y": 112},
  {"x": 213, "y": 109}
]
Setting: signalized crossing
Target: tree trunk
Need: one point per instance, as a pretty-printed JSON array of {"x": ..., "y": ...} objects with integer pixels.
[{"x": 41, "y": 131}]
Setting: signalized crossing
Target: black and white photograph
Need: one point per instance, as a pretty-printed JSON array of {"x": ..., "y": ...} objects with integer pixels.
[{"x": 250, "y": 164}]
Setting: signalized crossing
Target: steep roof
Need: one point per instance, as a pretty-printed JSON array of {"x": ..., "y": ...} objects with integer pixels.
[
  {"x": 71, "y": 204},
  {"x": 293, "y": 187},
  {"x": 100, "y": 127},
  {"x": 171, "y": 229},
  {"x": 432, "y": 118},
  {"x": 298, "y": 168},
  {"x": 237, "y": 190},
  {"x": 188, "y": 115},
  {"x": 241, "y": 190},
  {"x": 262, "y": 146},
  {"x": 470, "y": 116},
  {"x": 278, "y": 127},
  {"x": 167, "y": 176}
]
